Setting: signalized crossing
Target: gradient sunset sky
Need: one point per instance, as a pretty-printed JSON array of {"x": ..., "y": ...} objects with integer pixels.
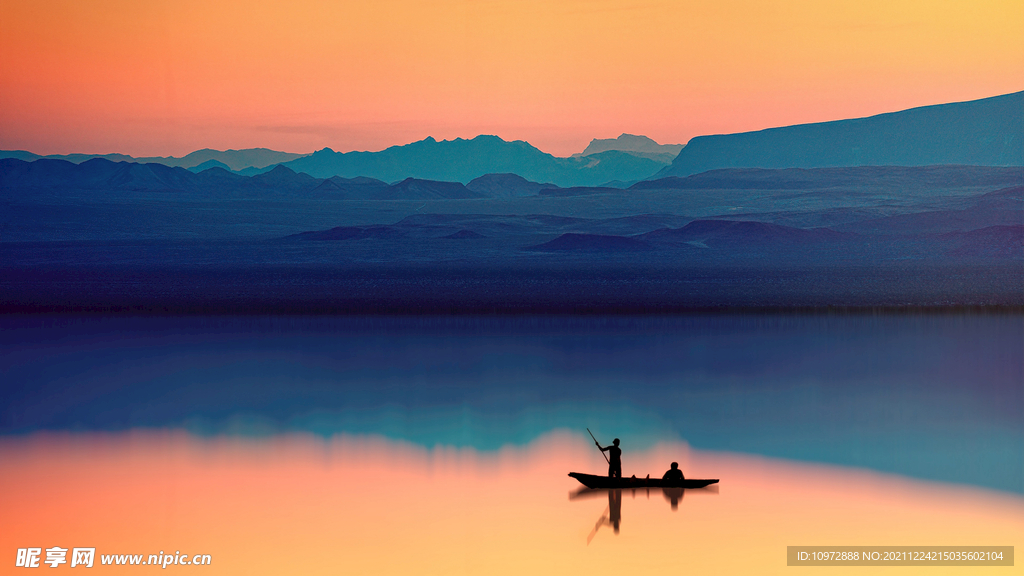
[{"x": 167, "y": 77}]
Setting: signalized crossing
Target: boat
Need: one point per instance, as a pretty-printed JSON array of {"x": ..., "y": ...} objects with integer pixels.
[{"x": 594, "y": 481}]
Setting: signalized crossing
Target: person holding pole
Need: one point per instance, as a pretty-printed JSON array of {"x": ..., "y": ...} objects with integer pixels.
[{"x": 615, "y": 458}]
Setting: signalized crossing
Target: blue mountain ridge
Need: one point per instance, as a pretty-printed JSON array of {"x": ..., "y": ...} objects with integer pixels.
[
  {"x": 103, "y": 175},
  {"x": 986, "y": 132},
  {"x": 251, "y": 158},
  {"x": 462, "y": 160}
]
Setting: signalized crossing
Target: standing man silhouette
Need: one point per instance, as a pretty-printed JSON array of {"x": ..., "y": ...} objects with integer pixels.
[{"x": 614, "y": 458}]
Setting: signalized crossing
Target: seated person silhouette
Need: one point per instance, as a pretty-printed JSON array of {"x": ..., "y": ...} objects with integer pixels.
[
  {"x": 674, "y": 474},
  {"x": 614, "y": 458}
]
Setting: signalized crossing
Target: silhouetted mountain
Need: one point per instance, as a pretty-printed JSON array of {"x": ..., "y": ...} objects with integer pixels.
[
  {"x": 506, "y": 186},
  {"x": 94, "y": 174},
  {"x": 257, "y": 158},
  {"x": 123, "y": 236},
  {"x": 234, "y": 159},
  {"x": 464, "y": 235},
  {"x": 352, "y": 233},
  {"x": 462, "y": 160},
  {"x": 1003, "y": 242},
  {"x": 857, "y": 176},
  {"x": 493, "y": 225},
  {"x": 572, "y": 242},
  {"x": 612, "y": 166},
  {"x": 578, "y": 191},
  {"x": 987, "y": 132},
  {"x": 284, "y": 179},
  {"x": 207, "y": 165},
  {"x": 360, "y": 188},
  {"x": 19, "y": 155},
  {"x": 100, "y": 174},
  {"x": 1000, "y": 208},
  {"x": 641, "y": 146},
  {"x": 416, "y": 189},
  {"x": 719, "y": 232},
  {"x": 463, "y": 227}
]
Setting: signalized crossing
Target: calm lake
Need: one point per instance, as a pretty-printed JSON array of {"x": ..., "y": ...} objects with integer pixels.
[{"x": 439, "y": 445}]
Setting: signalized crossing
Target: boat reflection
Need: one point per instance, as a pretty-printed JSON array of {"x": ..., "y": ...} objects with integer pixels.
[
  {"x": 673, "y": 495},
  {"x": 612, "y": 515}
]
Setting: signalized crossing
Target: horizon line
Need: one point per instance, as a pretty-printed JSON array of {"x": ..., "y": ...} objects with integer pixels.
[{"x": 479, "y": 135}]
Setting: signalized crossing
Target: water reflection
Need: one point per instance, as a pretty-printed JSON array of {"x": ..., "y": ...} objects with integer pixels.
[
  {"x": 939, "y": 397},
  {"x": 300, "y": 504},
  {"x": 673, "y": 495},
  {"x": 612, "y": 515}
]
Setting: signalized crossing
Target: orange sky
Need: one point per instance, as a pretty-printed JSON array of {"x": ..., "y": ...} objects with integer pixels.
[{"x": 167, "y": 77}]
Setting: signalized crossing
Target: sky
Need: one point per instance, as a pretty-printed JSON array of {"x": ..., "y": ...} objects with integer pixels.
[{"x": 158, "y": 78}]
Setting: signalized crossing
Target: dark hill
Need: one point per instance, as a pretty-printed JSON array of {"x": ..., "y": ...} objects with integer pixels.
[
  {"x": 572, "y": 242},
  {"x": 94, "y": 174},
  {"x": 857, "y": 176},
  {"x": 219, "y": 179},
  {"x": 100, "y": 174},
  {"x": 506, "y": 186},
  {"x": 712, "y": 232},
  {"x": 351, "y": 188},
  {"x": 207, "y": 165},
  {"x": 285, "y": 180},
  {"x": 254, "y": 158},
  {"x": 464, "y": 235},
  {"x": 999, "y": 208},
  {"x": 416, "y": 189},
  {"x": 991, "y": 242},
  {"x": 578, "y": 191},
  {"x": 987, "y": 132},
  {"x": 351, "y": 233}
]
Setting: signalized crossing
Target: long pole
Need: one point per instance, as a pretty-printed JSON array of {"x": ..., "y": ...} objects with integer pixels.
[{"x": 599, "y": 446}]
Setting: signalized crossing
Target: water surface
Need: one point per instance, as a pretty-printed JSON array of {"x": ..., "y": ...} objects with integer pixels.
[
  {"x": 937, "y": 397},
  {"x": 441, "y": 445},
  {"x": 299, "y": 504}
]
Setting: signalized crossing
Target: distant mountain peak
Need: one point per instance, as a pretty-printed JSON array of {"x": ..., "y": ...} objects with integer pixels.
[
  {"x": 506, "y": 185},
  {"x": 630, "y": 143},
  {"x": 281, "y": 169},
  {"x": 208, "y": 165}
]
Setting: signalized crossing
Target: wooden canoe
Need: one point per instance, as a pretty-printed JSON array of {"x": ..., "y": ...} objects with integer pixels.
[{"x": 593, "y": 481}]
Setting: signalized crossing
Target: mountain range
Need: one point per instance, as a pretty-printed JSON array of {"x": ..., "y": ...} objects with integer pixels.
[
  {"x": 619, "y": 161},
  {"x": 986, "y": 132},
  {"x": 253, "y": 158},
  {"x": 462, "y": 160},
  {"x": 119, "y": 235},
  {"x": 105, "y": 178}
]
